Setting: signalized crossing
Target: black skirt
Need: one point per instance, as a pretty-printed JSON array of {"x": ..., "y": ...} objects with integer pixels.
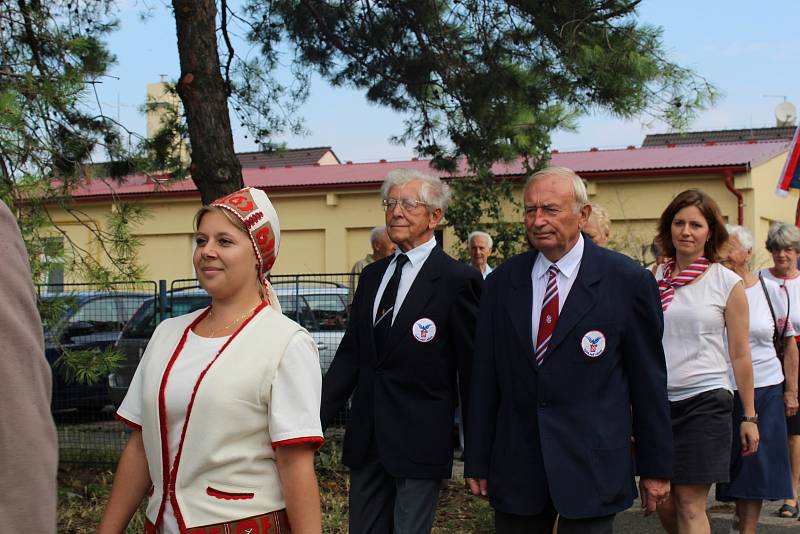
[{"x": 702, "y": 430}]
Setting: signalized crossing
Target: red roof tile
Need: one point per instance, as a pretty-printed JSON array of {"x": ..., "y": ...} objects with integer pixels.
[{"x": 586, "y": 163}]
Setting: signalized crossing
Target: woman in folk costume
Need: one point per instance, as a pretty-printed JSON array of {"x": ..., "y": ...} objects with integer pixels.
[
  {"x": 225, "y": 401},
  {"x": 703, "y": 302}
]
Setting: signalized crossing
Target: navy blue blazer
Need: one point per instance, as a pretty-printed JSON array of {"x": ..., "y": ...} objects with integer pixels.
[
  {"x": 404, "y": 402},
  {"x": 563, "y": 429}
]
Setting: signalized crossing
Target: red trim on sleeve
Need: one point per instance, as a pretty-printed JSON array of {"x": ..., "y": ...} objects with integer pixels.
[
  {"x": 227, "y": 495},
  {"x": 173, "y": 476},
  {"x": 127, "y": 422},
  {"x": 319, "y": 440}
]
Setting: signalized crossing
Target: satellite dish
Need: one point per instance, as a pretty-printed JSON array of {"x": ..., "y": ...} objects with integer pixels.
[{"x": 785, "y": 114}]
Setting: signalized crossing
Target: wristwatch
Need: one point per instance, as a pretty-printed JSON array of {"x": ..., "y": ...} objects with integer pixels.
[{"x": 750, "y": 419}]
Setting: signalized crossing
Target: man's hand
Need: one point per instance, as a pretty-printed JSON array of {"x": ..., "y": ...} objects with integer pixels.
[
  {"x": 653, "y": 491},
  {"x": 478, "y": 486}
]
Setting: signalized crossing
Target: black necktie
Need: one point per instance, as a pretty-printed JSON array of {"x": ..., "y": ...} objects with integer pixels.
[{"x": 383, "y": 320}]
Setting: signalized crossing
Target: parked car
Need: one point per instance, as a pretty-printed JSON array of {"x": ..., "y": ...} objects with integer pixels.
[
  {"x": 90, "y": 320},
  {"x": 320, "y": 307}
]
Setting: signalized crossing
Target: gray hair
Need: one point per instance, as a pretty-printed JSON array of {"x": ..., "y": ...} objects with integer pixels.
[
  {"x": 433, "y": 191},
  {"x": 600, "y": 215},
  {"x": 375, "y": 234},
  {"x": 783, "y": 235},
  {"x": 742, "y": 235},
  {"x": 581, "y": 196},
  {"x": 478, "y": 233}
]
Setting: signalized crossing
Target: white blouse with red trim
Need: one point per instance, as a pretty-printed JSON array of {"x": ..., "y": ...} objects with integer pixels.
[{"x": 293, "y": 417}]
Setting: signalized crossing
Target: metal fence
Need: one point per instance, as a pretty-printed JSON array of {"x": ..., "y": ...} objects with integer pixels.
[
  {"x": 81, "y": 324},
  {"x": 87, "y": 327}
]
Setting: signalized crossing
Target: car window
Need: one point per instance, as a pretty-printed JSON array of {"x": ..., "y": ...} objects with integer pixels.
[
  {"x": 100, "y": 313},
  {"x": 329, "y": 311},
  {"x": 289, "y": 308},
  {"x": 128, "y": 305}
]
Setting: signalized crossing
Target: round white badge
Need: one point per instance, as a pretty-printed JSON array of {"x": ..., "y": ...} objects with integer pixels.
[
  {"x": 593, "y": 343},
  {"x": 424, "y": 330}
]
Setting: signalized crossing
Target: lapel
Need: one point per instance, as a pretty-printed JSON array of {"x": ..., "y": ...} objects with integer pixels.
[
  {"x": 421, "y": 291},
  {"x": 582, "y": 296},
  {"x": 520, "y": 304}
]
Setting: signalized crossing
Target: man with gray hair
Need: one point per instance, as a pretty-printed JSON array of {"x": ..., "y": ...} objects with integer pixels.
[
  {"x": 568, "y": 364},
  {"x": 480, "y": 248},
  {"x": 407, "y": 347},
  {"x": 382, "y": 246}
]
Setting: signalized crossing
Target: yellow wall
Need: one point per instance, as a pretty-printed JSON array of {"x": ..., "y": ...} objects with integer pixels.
[{"x": 327, "y": 232}]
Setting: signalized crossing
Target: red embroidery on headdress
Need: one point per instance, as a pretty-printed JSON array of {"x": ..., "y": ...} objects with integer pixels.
[
  {"x": 239, "y": 200},
  {"x": 251, "y": 221},
  {"x": 265, "y": 240}
]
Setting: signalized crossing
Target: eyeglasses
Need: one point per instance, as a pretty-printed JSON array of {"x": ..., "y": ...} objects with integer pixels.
[{"x": 406, "y": 204}]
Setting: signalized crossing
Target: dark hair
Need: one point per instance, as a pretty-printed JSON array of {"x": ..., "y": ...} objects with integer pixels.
[{"x": 717, "y": 234}]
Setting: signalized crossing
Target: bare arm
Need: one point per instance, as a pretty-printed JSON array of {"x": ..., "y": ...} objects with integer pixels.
[
  {"x": 790, "y": 365},
  {"x": 131, "y": 482},
  {"x": 737, "y": 322},
  {"x": 300, "y": 490}
]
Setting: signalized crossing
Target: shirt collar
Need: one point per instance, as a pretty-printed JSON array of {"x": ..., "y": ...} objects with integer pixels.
[
  {"x": 419, "y": 254},
  {"x": 567, "y": 264}
]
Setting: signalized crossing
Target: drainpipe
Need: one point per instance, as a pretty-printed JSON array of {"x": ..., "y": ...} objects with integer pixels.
[
  {"x": 797, "y": 214},
  {"x": 737, "y": 194}
]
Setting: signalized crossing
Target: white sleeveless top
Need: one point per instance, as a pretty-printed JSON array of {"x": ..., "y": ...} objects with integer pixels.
[
  {"x": 767, "y": 369},
  {"x": 694, "y": 330}
]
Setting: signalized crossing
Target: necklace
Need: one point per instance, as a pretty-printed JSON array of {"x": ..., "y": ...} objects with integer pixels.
[{"x": 232, "y": 323}]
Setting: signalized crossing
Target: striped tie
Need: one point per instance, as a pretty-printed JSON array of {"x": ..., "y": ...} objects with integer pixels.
[
  {"x": 668, "y": 284},
  {"x": 549, "y": 315}
]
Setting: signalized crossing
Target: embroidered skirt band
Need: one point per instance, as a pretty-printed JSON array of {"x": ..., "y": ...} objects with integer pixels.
[{"x": 270, "y": 523}]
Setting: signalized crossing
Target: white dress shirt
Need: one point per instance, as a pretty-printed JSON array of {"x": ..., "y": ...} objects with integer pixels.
[
  {"x": 416, "y": 259},
  {"x": 568, "y": 267},
  {"x": 486, "y": 271}
]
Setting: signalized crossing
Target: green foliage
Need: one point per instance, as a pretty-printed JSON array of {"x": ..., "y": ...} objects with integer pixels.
[
  {"x": 477, "y": 204},
  {"x": 51, "y": 57},
  {"x": 488, "y": 81},
  {"x": 87, "y": 366}
]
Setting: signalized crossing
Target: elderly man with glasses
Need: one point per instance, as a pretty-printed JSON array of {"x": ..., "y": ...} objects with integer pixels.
[{"x": 408, "y": 344}]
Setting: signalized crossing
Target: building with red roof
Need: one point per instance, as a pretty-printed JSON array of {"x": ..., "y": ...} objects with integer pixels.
[{"x": 327, "y": 211}]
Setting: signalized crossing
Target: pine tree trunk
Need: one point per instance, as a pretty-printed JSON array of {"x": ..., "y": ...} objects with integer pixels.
[{"x": 215, "y": 169}]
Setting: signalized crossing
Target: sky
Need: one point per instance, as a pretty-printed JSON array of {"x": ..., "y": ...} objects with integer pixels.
[{"x": 748, "y": 50}]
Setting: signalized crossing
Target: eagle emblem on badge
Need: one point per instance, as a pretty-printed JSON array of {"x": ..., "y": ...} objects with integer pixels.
[{"x": 593, "y": 343}]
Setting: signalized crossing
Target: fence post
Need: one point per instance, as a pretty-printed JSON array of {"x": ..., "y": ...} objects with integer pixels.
[
  {"x": 297, "y": 298},
  {"x": 162, "y": 298}
]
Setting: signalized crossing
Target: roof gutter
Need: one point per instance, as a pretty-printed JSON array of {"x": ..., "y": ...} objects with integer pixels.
[{"x": 738, "y": 194}]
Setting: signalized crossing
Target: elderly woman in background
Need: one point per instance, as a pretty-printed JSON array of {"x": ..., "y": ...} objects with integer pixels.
[
  {"x": 765, "y": 475},
  {"x": 783, "y": 242},
  {"x": 598, "y": 226},
  {"x": 703, "y": 303}
]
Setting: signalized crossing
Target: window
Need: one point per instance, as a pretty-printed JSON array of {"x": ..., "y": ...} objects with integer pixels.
[{"x": 53, "y": 260}]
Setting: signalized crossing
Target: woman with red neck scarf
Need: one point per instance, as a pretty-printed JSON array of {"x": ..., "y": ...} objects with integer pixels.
[
  {"x": 225, "y": 401},
  {"x": 783, "y": 242},
  {"x": 702, "y": 302}
]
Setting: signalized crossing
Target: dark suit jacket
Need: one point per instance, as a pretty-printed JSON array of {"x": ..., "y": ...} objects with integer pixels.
[
  {"x": 563, "y": 429},
  {"x": 407, "y": 399}
]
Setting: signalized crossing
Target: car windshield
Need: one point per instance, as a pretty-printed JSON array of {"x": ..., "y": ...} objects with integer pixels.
[{"x": 144, "y": 322}]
